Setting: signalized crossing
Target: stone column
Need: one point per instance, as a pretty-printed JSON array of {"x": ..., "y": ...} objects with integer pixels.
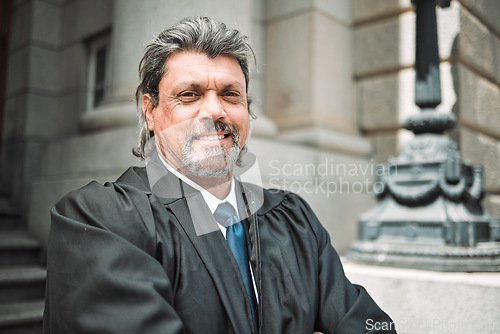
[
  {"x": 309, "y": 74},
  {"x": 309, "y": 90}
]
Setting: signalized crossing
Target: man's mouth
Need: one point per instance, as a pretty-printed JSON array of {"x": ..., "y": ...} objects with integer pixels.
[{"x": 212, "y": 137}]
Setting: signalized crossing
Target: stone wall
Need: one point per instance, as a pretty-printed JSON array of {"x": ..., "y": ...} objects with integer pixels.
[{"x": 476, "y": 69}]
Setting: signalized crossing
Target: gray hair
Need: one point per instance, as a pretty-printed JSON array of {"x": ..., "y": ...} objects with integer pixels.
[{"x": 199, "y": 34}]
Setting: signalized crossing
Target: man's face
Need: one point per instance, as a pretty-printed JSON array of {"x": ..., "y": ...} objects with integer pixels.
[{"x": 201, "y": 121}]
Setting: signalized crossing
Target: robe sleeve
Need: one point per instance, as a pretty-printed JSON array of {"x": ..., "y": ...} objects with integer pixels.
[
  {"x": 102, "y": 273},
  {"x": 343, "y": 307}
]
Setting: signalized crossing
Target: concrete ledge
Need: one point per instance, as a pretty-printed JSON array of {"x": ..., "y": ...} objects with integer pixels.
[
  {"x": 92, "y": 154},
  {"x": 432, "y": 302},
  {"x": 329, "y": 139}
]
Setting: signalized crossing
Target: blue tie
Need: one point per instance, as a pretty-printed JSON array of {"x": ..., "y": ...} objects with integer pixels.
[{"x": 235, "y": 236}]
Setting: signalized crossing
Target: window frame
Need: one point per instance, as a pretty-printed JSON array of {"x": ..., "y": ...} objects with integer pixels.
[{"x": 95, "y": 44}]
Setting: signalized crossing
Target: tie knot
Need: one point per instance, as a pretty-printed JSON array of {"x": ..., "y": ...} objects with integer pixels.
[{"x": 225, "y": 214}]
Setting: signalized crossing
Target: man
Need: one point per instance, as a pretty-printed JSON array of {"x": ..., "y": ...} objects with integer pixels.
[{"x": 184, "y": 245}]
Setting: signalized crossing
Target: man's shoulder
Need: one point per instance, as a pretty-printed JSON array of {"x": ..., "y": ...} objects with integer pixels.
[
  {"x": 99, "y": 194},
  {"x": 285, "y": 208},
  {"x": 119, "y": 207},
  {"x": 278, "y": 198}
]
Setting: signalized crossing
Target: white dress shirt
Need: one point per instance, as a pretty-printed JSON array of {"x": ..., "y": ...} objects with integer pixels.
[{"x": 213, "y": 202}]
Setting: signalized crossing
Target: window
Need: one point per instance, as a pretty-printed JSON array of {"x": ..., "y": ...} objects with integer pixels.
[{"x": 98, "y": 70}]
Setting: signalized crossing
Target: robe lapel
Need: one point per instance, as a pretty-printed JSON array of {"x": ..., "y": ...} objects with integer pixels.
[
  {"x": 197, "y": 221},
  {"x": 216, "y": 255}
]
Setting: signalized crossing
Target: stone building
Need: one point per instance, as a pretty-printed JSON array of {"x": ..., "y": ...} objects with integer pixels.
[{"x": 334, "y": 80}]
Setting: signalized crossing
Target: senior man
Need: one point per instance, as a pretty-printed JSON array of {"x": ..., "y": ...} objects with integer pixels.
[{"x": 183, "y": 245}]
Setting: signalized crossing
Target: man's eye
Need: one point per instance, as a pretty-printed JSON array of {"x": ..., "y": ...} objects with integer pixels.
[
  {"x": 188, "y": 96},
  {"x": 232, "y": 95}
]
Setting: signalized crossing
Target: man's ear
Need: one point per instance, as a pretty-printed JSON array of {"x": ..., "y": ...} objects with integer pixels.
[{"x": 148, "y": 107}]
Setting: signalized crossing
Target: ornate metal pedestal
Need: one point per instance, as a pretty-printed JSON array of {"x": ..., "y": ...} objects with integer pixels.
[{"x": 429, "y": 214}]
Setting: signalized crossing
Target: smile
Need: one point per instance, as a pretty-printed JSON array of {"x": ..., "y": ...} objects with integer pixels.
[{"x": 212, "y": 137}]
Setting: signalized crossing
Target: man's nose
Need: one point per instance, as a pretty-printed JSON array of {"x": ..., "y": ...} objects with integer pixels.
[{"x": 212, "y": 107}]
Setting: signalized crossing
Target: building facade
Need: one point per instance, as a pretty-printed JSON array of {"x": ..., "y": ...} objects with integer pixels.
[{"x": 333, "y": 82}]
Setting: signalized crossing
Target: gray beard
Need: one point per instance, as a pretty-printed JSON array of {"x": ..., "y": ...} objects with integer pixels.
[{"x": 215, "y": 162}]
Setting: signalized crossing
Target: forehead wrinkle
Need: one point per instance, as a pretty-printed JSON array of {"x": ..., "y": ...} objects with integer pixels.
[
  {"x": 233, "y": 86},
  {"x": 192, "y": 84},
  {"x": 189, "y": 84}
]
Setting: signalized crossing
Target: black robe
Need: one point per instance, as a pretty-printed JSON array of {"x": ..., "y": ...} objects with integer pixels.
[{"x": 124, "y": 260}]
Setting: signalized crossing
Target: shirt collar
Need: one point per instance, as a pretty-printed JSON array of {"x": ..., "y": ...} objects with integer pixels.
[{"x": 212, "y": 201}]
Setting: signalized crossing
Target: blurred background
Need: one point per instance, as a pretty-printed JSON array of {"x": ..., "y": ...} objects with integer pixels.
[{"x": 333, "y": 82}]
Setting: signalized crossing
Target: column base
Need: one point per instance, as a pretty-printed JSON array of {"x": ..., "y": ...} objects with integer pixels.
[
  {"x": 329, "y": 139},
  {"x": 262, "y": 126},
  {"x": 111, "y": 115}
]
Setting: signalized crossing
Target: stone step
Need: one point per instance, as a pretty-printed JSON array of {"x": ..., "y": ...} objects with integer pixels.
[
  {"x": 9, "y": 220},
  {"x": 9, "y": 216},
  {"x": 20, "y": 283},
  {"x": 17, "y": 248},
  {"x": 21, "y": 317}
]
